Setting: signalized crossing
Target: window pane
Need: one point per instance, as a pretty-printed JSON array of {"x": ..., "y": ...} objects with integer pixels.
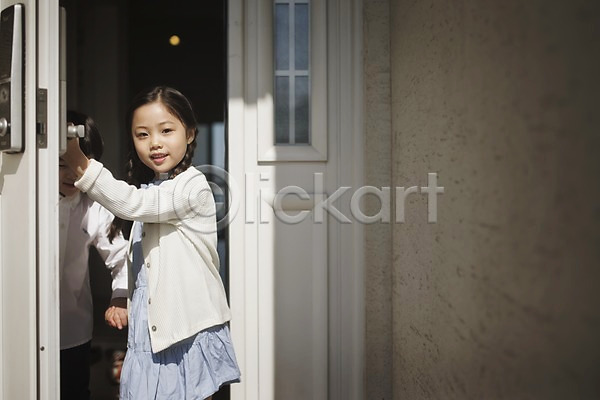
[
  {"x": 282, "y": 109},
  {"x": 282, "y": 37},
  {"x": 301, "y": 109},
  {"x": 301, "y": 36}
]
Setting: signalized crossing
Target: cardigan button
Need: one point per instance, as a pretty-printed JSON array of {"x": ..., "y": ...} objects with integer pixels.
[
  {"x": 153, "y": 328},
  {"x": 143, "y": 234},
  {"x": 149, "y": 301},
  {"x": 148, "y": 265}
]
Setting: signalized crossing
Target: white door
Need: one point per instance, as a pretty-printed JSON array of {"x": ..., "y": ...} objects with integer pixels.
[
  {"x": 29, "y": 345},
  {"x": 294, "y": 131}
]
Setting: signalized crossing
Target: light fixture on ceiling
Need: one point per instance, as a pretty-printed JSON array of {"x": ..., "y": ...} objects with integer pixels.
[{"x": 174, "y": 40}]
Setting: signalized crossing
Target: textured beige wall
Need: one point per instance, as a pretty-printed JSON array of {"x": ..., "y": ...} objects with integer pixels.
[
  {"x": 499, "y": 299},
  {"x": 378, "y": 237}
]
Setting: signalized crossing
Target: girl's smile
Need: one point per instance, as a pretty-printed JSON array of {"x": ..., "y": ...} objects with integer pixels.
[
  {"x": 159, "y": 137},
  {"x": 158, "y": 158}
]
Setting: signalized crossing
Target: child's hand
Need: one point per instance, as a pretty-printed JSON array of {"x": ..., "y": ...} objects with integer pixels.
[
  {"x": 74, "y": 157},
  {"x": 116, "y": 314}
]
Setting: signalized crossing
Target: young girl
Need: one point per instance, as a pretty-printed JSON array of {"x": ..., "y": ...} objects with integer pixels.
[
  {"x": 179, "y": 345},
  {"x": 84, "y": 223}
]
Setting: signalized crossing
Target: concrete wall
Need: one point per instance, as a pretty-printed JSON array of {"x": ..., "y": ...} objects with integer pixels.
[{"x": 499, "y": 299}]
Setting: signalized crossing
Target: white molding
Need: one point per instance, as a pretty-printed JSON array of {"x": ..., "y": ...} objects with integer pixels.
[
  {"x": 241, "y": 332},
  {"x": 346, "y": 290},
  {"x": 357, "y": 324},
  {"x": 320, "y": 281},
  {"x": 47, "y": 204}
]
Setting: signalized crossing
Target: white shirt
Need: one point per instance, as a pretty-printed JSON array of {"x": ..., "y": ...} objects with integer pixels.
[{"x": 84, "y": 222}]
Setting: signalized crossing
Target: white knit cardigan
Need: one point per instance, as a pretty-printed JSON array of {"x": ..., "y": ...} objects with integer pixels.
[{"x": 179, "y": 242}]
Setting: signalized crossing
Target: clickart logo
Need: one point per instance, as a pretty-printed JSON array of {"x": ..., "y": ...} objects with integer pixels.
[{"x": 209, "y": 201}]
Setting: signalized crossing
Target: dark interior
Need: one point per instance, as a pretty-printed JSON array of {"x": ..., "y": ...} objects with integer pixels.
[{"x": 115, "y": 48}]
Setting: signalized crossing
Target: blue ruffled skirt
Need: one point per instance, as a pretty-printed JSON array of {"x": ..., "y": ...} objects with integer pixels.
[{"x": 194, "y": 368}]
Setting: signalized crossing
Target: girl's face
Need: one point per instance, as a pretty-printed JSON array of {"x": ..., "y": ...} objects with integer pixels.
[
  {"x": 159, "y": 137},
  {"x": 66, "y": 179}
]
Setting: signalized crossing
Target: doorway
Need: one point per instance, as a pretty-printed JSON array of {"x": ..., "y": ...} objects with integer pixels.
[{"x": 116, "y": 48}]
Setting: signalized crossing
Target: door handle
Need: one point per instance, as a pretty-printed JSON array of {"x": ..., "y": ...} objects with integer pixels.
[{"x": 74, "y": 131}]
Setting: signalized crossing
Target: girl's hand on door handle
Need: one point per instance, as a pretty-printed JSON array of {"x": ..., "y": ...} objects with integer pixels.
[{"x": 74, "y": 157}]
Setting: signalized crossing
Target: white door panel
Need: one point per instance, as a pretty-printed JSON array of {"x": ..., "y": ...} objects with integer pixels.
[
  {"x": 295, "y": 287},
  {"x": 18, "y": 224},
  {"x": 300, "y": 309},
  {"x": 18, "y": 274},
  {"x": 28, "y": 227}
]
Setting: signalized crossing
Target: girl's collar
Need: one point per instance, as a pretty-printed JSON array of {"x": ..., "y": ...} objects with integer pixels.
[
  {"x": 163, "y": 176},
  {"x": 156, "y": 181},
  {"x": 71, "y": 201}
]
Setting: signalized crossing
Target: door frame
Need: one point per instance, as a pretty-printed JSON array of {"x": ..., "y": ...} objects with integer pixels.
[{"x": 49, "y": 52}]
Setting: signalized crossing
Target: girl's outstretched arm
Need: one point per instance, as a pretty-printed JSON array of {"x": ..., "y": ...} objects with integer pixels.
[{"x": 187, "y": 197}]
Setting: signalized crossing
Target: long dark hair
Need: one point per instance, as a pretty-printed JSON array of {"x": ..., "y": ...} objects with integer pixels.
[{"x": 136, "y": 171}]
